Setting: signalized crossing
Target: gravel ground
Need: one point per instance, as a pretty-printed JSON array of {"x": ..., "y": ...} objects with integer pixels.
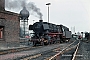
[{"x": 84, "y": 51}]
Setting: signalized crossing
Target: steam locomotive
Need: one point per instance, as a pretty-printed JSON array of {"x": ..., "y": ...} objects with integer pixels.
[{"x": 48, "y": 33}]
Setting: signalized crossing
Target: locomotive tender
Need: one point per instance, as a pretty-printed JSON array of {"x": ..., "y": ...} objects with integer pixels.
[{"x": 48, "y": 33}]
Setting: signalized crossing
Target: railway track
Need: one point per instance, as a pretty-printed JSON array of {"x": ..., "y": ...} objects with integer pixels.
[
  {"x": 46, "y": 55},
  {"x": 42, "y": 55},
  {"x": 68, "y": 53},
  {"x": 32, "y": 53},
  {"x": 84, "y": 51},
  {"x": 14, "y": 50},
  {"x": 29, "y": 52}
]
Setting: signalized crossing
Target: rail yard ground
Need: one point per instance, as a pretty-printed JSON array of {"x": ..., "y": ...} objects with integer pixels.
[
  {"x": 84, "y": 51},
  {"x": 30, "y": 52},
  {"x": 45, "y": 52}
]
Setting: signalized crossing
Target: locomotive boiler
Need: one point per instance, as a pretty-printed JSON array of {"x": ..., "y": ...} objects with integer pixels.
[{"x": 49, "y": 33}]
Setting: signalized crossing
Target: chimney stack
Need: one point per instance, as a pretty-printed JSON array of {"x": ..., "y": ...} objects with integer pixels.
[{"x": 2, "y": 5}]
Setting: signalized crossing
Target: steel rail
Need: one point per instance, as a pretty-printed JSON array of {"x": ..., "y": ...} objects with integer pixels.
[
  {"x": 74, "y": 55},
  {"x": 19, "y": 49}
]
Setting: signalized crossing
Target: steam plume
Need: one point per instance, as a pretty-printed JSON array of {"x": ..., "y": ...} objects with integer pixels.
[{"x": 19, "y": 4}]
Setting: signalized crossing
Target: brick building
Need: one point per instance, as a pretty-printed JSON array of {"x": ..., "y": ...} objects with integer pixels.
[{"x": 9, "y": 26}]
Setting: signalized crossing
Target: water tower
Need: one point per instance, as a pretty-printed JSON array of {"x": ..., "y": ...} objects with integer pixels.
[{"x": 24, "y": 14}]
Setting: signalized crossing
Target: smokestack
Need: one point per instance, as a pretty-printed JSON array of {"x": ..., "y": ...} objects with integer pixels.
[
  {"x": 2, "y": 5},
  {"x": 40, "y": 20}
]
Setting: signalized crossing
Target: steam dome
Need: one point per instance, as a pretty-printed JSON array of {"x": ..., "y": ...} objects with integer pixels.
[{"x": 24, "y": 14}]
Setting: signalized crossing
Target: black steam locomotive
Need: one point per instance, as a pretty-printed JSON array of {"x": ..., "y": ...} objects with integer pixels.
[{"x": 48, "y": 33}]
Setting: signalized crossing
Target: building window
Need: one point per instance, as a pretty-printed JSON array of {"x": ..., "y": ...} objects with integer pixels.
[{"x": 1, "y": 32}]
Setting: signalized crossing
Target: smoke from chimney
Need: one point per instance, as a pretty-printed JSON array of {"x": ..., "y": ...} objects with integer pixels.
[{"x": 19, "y": 4}]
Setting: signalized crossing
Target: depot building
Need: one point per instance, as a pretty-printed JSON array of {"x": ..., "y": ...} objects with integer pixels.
[{"x": 9, "y": 26}]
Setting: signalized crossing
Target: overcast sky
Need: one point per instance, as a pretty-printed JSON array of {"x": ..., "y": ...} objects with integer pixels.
[{"x": 71, "y": 13}]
